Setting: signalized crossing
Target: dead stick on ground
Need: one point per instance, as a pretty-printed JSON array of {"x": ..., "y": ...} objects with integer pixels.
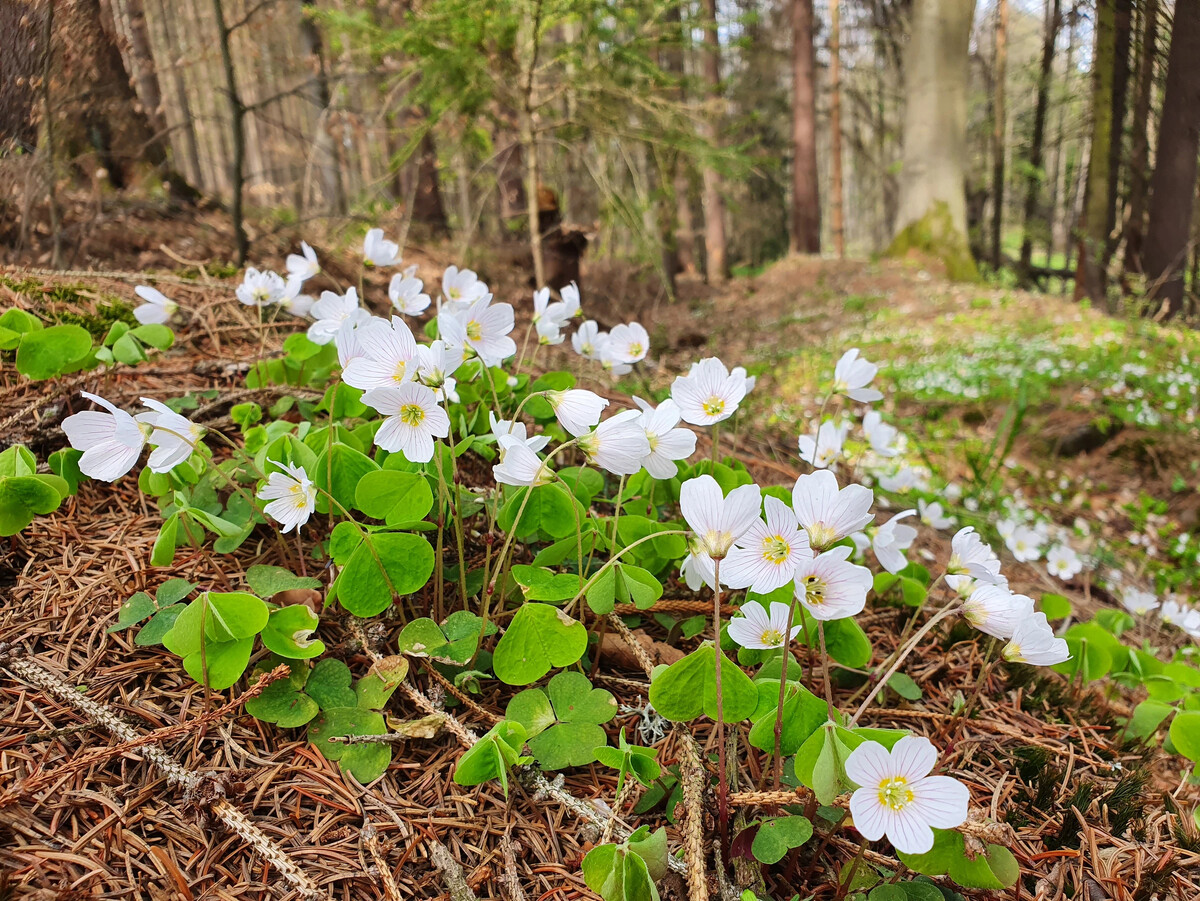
[
  {"x": 452, "y": 874},
  {"x": 370, "y": 840},
  {"x": 157, "y": 737},
  {"x": 26, "y": 670},
  {"x": 691, "y": 774}
]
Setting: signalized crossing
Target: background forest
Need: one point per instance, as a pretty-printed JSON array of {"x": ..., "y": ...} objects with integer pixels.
[{"x": 1014, "y": 136}]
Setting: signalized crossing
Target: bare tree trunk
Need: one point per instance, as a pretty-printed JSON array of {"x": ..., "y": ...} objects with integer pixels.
[
  {"x": 1122, "y": 40},
  {"x": 48, "y": 130},
  {"x": 1139, "y": 162},
  {"x": 333, "y": 191},
  {"x": 1173, "y": 185},
  {"x": 1090, "y": 276},
  {"x": 715, "y": 265},
  {"x": 530, "y": 45},
  {"x": 1059, "y": 213},
  {"x": 806, "y": 206},
  {"x": 179, "y": 101},
  {"x": 1034, "y": 176},
  {"x": 237, "y": 113},
  {"x": 932, "y": 215},
  {"x": 836, "y": 199},
  {"x": 998, "y": 120}
]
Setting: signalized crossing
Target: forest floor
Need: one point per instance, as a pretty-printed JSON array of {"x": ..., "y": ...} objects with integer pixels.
[{"x": 1028, "y": 405}]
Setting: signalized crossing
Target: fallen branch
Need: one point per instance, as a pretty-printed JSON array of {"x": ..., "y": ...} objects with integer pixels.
[{"x": 23, "y": 669}]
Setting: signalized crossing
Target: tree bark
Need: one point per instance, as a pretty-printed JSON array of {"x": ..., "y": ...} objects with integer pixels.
[
  {"x": 998, "y": 120},
  {"x": 1122, "y": 41},
  {"x": 333, "y": 191},
  {"x": 932, "y": 214},
  {"x": 1173, "y": 185},
  {"x": 1139, "y": 161},
  {"x": 237, "y": 113},
  {"x": 530, "y": 45},
  {"x": 806, "y": 206},
  {"x": 1033, "y": 182},
  {"x": 1090, "y": 276},
  {"x": 715, "y": 266},
  {"x": 837, "y": 213}
]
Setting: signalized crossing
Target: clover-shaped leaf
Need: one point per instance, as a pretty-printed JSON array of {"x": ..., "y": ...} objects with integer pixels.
[
  {"x": 627, "y": 758},
  {"x": 394, "y": 497},
  {"x": 540, "y": 584},
  {"x": 778, "y": 835},
  {"x": 289, "y": 630},
  {"x": 563, "y": 721},
  {"x": 364, "y": 589},
  {"x": 329, "y": 685},
  {"x": 492, "y": 756},
  {"x": 803, "y": 714},
  {"x": 688, "y": 687},
  {"x": 539, "y": 638},
  {"x": 268, "y": 581},
  {"x": 285, "y": 702},
  {"x": 995, "y": 869},
  {"x": 366, "y": 762},
  {"x": 140, "y": 606},
  {"x": 374, "y": 689}
]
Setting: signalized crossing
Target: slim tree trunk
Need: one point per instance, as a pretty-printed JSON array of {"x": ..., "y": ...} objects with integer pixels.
[
  {"x": 237, "y": 112},
  {"x": 1122, "y": 40},
  {"x": 806, "y": 206},
  {"x": 836, "y": 200},
  {"x": 715, "y": 266},
  {"x": 48, "y": 131},
  {"x": 1173, "y": 185},
  {"x": 932, "y": 213},
  {"x": 1090, "y": 276},
  {"x": 530, "y": 45},
  {"x": 1139, "y": 161},
  {"x": 998, "y": 120},
  {"x": 1060, "y": 200},
  {"x": 1033, "y": 183}
]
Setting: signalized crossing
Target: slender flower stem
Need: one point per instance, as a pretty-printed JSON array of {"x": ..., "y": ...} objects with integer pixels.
[
  {"x": 454, "y": 504},
  {"x": 783, "y": 668},
  {"x": 719, "y": 657},
  {"x": 617, "y": 556},
  {"x": 524, "y": 344},
  {"x": 946, "y": 611},
  {"x": 825, "y": 673}
]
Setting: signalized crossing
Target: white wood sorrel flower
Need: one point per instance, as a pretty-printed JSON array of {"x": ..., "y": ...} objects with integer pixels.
[
  {"x": 378, "y": 251},
  {"x": 1034, "y": 642},
  {"x": 174, "y": 437},
  {"x": 709, "y": 393},
  {"x": 831, "y": 587},
  {"x": 576, "y": 409},
  {"x": 302, "y": 266},
  {"x": 407, "y": 293},
  {"x": 292, "y": 496},
  {"x": 332, "y": 312},
  {"x": 388, "y": 358},
  {"x": 828, "y": 513},
  {"x": 852, "y": 375},
  {"x": 111, "y": 442},
  {"x": 898, "y": 798},
  {"x": 519, "y": 463},
  {"x": 413, "y": 420},
  {"x": 761, "y": 630},
  {"x": 718, "y": 521},
  {"x": 618, "y": 445},
  {"x": 766, "y": 556},
  {"x": 483, "y": 327},
  {"x": 996, "y": 611},
  {"x": 667, "y": 443},
  {"x": 260, "y": 289},
  {"x": 157, "y": 309}
]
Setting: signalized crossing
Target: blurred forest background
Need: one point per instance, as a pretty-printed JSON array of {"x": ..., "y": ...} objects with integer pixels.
[{"x": 1046, "y": 143}]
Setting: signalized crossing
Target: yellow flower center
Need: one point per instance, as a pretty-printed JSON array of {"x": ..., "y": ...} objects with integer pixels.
[
  {"x": 474, "y": 331},
  {"x": 772, "y": 637},
  {"x": 894, "y": 793},
  {"x": 398, "y": 375},
  {"x": 714, "y": 406},
  {"x": 635, "y": 349},
  {"x": 652, "y": 440},
  {"x": 412, "y": 414},
  {"x": 776, "y": 550},
  {"x": 814, "y": 589}
]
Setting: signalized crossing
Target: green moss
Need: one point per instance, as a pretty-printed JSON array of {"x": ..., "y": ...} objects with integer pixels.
[
  {"x": 934, "y": 234},
  {"x": 99, "y": 322}
]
